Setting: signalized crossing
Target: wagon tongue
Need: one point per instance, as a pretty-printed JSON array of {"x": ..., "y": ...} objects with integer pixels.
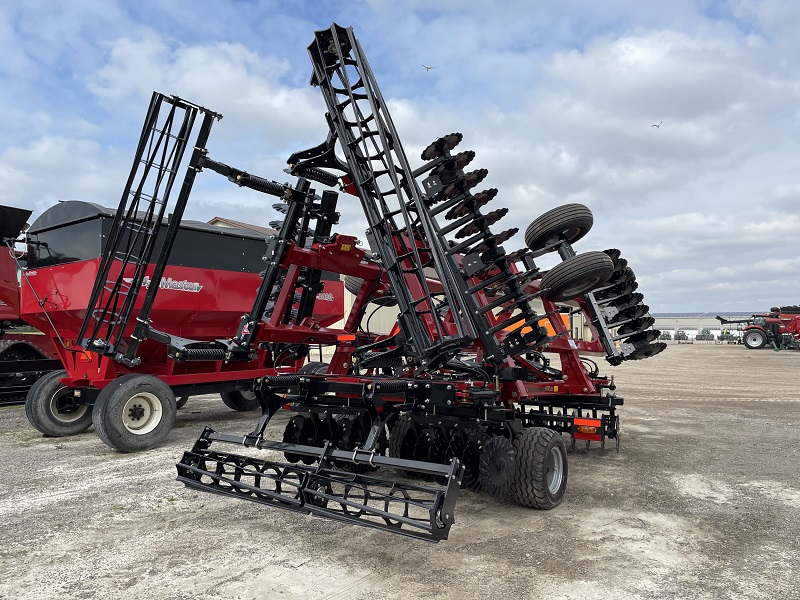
[{"x": 420, "y": 511}]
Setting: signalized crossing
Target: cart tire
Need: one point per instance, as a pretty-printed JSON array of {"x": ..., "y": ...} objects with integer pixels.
[
  {"x": 134, "y": 412},
  {"x": 576, "y": 276},
  {"x": 753, "y": 339},
  {"x": 42, "y": 404},
  {"x": 569, "y": 222},
  {"x": 540, "y": 480},
  {"x": 241, "y": 400}
]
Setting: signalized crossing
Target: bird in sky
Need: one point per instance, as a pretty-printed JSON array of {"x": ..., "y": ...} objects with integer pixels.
[
  {"x": 659, "y": 125},
  {"x": 427, "y": 68}
]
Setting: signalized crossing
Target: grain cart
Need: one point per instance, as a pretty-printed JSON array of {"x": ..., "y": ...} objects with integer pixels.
[
  {"x": 462, "y": 391},
  {"x": 780, "y": 328},
  {"x": 208, "y": 282},
  {"x": 26, "y": 354},
  {"x": 120, "y": 374}
]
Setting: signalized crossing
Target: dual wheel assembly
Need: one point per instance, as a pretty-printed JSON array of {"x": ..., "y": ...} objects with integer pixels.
[
  {"x": 577, "y": 274},
  {"x": 132, "y": 413},
  {"x": 606, "y": 274}
]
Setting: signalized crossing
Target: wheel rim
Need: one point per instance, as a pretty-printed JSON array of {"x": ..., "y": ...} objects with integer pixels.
[
  {"x": 754, "y": 339},
  {"x": 142, "y": 413},
  {"x": 65, "y": 411},
  {"x": 555, "y": 470}
]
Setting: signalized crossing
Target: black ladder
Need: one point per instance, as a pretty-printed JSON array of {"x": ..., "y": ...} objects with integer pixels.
[{"x": 138, "y": 229}]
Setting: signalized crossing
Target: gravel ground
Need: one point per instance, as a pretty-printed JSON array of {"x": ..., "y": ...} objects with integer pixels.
[{"x": 702, "y": 501}]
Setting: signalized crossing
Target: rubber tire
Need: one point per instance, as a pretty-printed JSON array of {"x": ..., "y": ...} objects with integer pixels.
[
  {"x": 577, "y": 276},
  {"x": 534, "y": 446},
  {"x": 754, "y": 339},
  {"x": 108, "y": 412},
  {"x": 570, "y": 222},
  {"x": 39, "y": 411},
  {"x": 313, "y": 368},
  {"x": 353, "y": 285},
  {"x": 405, "y": 427},
  {"x": 240, "y": 401},
  {"x": 402, "y": 428}
]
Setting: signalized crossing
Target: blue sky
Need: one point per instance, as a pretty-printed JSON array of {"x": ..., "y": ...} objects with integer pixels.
[{"x": 557, "y": 99}]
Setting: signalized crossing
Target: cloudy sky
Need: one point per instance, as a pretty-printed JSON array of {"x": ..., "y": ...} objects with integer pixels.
[{"x": 558, "y": 100}]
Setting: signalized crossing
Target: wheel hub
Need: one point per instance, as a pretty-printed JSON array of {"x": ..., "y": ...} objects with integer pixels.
[
  {"x": 142, "y": 413},
  {"x": 136, "y": 412}
]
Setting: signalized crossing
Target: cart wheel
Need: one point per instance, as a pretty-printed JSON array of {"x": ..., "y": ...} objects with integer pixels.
[
  {"x": 576, "y": 276},
  {"x": 241, "y": 401},
  {"x": 50, "y": 407},
  {"x": 134, "y": 412},
  {"x": 569, "y": 222},
  {"x": 540, "y": 480}
]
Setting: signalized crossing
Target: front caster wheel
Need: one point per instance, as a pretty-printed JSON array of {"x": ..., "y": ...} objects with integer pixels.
[
  {"x": 134, "y": 412},
  {"x": 51, "y": 408}
]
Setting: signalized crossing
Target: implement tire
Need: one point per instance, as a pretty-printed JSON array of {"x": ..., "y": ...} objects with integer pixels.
[
  {"x": 134, "y": 412},
  {"x": 577, "y": 276},
  {"x": 240, "y": 401},
  {"x": 540, "y": 480},
  {"x": 313, "y": 368},
  {"x": 569, "y": 222},
  {"x": 49, "y": 409}
]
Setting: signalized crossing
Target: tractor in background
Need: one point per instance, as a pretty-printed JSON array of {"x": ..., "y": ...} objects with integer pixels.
[{"x": 779, "y": 328}]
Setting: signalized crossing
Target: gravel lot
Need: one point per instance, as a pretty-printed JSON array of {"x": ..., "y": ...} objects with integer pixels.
[{"x": 703, "y": 501}]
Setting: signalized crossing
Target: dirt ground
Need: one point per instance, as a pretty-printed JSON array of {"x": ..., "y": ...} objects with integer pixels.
[{"x": 702, "y": 501}]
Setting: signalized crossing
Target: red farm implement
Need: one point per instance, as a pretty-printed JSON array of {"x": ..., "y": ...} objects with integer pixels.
[{"x": 467, "y": 389}]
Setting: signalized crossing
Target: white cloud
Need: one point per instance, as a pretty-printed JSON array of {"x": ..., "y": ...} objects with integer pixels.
[{"x": 557, "y": 102}]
